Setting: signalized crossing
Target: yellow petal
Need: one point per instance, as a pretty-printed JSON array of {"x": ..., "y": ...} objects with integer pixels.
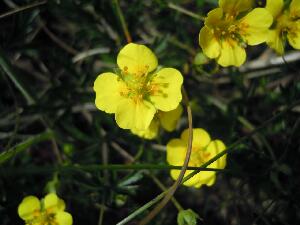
[
  {"x": 176, "y": 151},
  {"x": 51, "y": 202},
  {"x": 190, "y": 182},
  {"x": 149, "y": 133},
  {"x": 208, "y": 42},
  {"x": 275, "y": 7},
  {"x": 61, "y": 205},
  {"x": 203, "y": 177},
  {"x": 175, "y": 174},
  {"x": 214, "y": 18},
  {"x": 193, "y": 181},
  {"x": 169, "y": 119},
  {"x": 134, "y": 115},
  {"x": 200, "y": 137},
  {"x": 108, "y": 88},
  {"x": 275, "y": 41},
  {"x": 232, "y": 54},
  {"x": 209, "y": 182},
  {"x": 64, "y": 218},
  {"x": 234, "y": 7},
  {"x": 255, "y": 26},
  {"x": 136, "y": 58},
  {"x": 28, "y": 206},
  {"x": 215, "y": 147},
  {"x": 198, "y": 180},
  {"x": 295, "y": 9},
  {"x": 167, "y": 89},
  {"x": 294, "y": 35}
]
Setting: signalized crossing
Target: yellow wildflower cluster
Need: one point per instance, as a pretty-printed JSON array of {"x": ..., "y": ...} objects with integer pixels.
[
  {"x": 286, "y": 24},
  {"x": 48, "y": 211},
  {"x": 138, "y": 93},
  {"x": 235, "y": 24},
  {"x": 230, "y": 28},
  {"x": 203, "y": 149}
]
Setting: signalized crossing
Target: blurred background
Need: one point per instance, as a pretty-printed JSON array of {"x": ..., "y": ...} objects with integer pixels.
[{"x": 53, "y": 137}]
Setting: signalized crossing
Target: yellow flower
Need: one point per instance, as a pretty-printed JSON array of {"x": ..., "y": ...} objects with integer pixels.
[
  {"x": 168, "y": 120},
  {"x": 203, "y": 149},
  {"x": 138, "y": 90},
  {"x": 286, "y": 25},
  {"x": 49, "y": 211},
  {"x": 229, "y": 28}
]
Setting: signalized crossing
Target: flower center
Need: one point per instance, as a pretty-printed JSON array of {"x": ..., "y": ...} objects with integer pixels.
[
  {"x": 229, "y": 31},
  {"x": 138, "y": 85},
  {"x": 199, "y": 156},
  {"x": 43, "y": 218}
]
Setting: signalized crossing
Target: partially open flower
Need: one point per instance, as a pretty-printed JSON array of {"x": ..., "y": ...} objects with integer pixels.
[
  {"x": 286, "y": 25},
  {"x": 138, "y": 91},
  {"x": 230, "y": 28},
  {"x": 48, "y": 211},
  {"x": 203, "y": 149}
]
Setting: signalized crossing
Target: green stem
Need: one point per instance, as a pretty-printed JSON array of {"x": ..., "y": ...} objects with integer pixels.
[
  {"x": 92, "y": 168},
  {"x": 7, "y": 68},
  {"x": 142, "y": 209},
  {"x": 173, "y": 188},
  {"x": 185, "y": 11},
  {"x": 22, "y": 9},
  {"x": 228, "y": 150},
  {"x": 164, "y": 188},
  {"x": 258, "y": 137},
  {"x": 231, "y": 148},
  {"x": 4, "y": 156},
  {"x": 122, "y": 20}
]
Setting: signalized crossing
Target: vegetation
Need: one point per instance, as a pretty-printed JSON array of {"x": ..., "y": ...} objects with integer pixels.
[{"x": 54, "y": 139}]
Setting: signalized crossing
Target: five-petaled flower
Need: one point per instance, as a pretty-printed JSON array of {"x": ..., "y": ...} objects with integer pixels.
[
  {"x": 203, "y": 149},
  {"x": 229, "y": 28},
  {"x": 138, "y": 91},
  {"x": 286, "y": 24},
  {"x": 49, "y": 211}
]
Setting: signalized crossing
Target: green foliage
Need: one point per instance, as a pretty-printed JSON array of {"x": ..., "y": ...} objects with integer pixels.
[
  {"x": 50, "y": 56},
  {"x": 187, "y": 217}
]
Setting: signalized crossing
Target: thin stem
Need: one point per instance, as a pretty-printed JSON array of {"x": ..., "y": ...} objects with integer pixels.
[
  {"x": 22, "y": 9},
  {"x": 105, "y": 174},
  {"x": 231, "y": 148},
  {"x": 93, "y": 168},
  {"x": 228, "y": 150},
  {"x": 17, "y": 121},
  {"x": 4, "y": 156},
  {"x": 164, "y": 188},
  {"x": 132, "y": 159},
  {"x": 59, "y": 42},
  {"x": 101, "y": 214},
  {"x": 177, "y": 183},
  {"x": 259, "y": 137},
  {"x": 6, "y": 66},
  {"x": 185, "y": 11},
  {"x": 142, "y": 209},
  {"x": 55, "y": 149},
  {"x": 122, "y": 20}
]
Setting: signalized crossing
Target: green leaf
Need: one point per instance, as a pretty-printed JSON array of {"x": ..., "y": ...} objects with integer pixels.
[
  {"x": 187, "y": 217},
  {"x": 15, "y": 78},
  {"x": 4, "y": 156}
]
